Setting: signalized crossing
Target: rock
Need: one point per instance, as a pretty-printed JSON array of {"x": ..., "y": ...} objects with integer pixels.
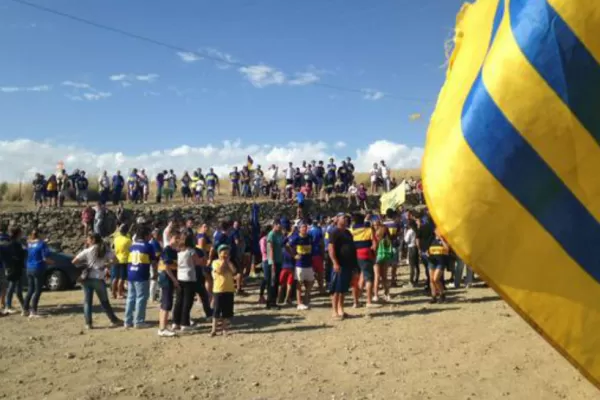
[
  {"x": 379, "y": 373},
  {"x": 70, "y": 356},
  {"x": 256, "y": 384},
  {"x": 118, "y": 389},
  {"x": 193, "y": 377}
]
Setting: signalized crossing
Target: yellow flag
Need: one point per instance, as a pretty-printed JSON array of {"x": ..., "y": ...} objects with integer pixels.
[
  {"x": 512, "y": 161},
  {"x": 394, "y": 198}
]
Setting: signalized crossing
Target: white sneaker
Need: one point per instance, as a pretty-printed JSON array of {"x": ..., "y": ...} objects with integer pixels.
[
  {"x": 34, "y": 315},
  {"x": 451, "y": 285},
  {"x": 375, "y": 299},
  {"x": 166, "y": 333},
  {"x": 10, "y": 311},
  {"x": 387, "y": 297},
  {"x": 302, "y": 307},
  {"x": 187, "y": 328}
]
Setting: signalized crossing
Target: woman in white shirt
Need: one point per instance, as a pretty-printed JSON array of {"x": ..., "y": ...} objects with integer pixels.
[
  {"x": 410, "y": 238},
  {"x": 187, "y": 259},
  {"x": 375, "y": 173},
  {"x": 95, "y": 257}
]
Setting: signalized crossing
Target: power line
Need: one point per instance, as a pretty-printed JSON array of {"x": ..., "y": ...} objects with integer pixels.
[{"x": 201, "y": 54}]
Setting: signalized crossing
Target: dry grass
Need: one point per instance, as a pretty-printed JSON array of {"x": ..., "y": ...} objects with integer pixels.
[{"x": 23, "y": 193}]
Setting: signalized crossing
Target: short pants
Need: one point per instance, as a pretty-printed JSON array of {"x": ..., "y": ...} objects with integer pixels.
[
  {"x": 118, "y": 271},
  {"x": 166, "y": 295},
  {"x": 286, "y": 277},
  {"x": 223, "y": 305},
  {"x": 433, "y": 266},
  {"x": 304, "y": 274},
  {"x": 318, "y": 264},
  {"x": 340, "y": 281},
  {"x": 366, "y": 268}
]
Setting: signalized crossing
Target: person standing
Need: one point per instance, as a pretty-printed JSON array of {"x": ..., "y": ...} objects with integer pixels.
[
  {"x": 212, "y": 183},
  {"x": 118, "y": 183},
  {"x": 342, "y": 252},
  {"x": 37, "y": 261},
  {"x": 274, "y": 261},
  {"x": 81, "y": 189},
  {"x": 330, "y": 227},
  {"x": 204, "y": 242},
  {"x": 187, "y": 259},
  {"x": 385, "y": 257},
  {"x": 393, "y": 227},
  {"x": 141, "y": 259},
  {"x": 167, "y": 280},
  {"x": 223, "y": 272},
  {"x": 5, "y": 257},
  {"x": 186, "y": 191},
  {"x": 121, "y": 245},
  {"x": 63, "y": 187},
  {"x": 366, "y": 246},
  {"x": 155, "y": 243},
  {"x": 104, "y": 187},
  {"x": 318, "y": 250},
  {"x": 234, "y": 178},
  {"x": 438, "y": 253},
  {"x": 410, "y": 238},
  {"x": 95, "y": 258},
  {"x": 13, "y": 259},
  {"x": 300, "y": 247},
  {"x": 160, "y": 184},
  {"x": 385, "y": 175}
]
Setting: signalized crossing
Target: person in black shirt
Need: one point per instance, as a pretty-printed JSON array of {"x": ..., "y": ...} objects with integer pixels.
[
  {"x": 342, "y": 253},
  {"x": 425, "y": 235},
  {"x": 14, "y": 257}
]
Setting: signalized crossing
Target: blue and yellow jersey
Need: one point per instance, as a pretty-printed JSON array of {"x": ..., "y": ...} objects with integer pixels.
[
  {"x": 157, "y": 247},
  {"x": 438, "y": 254},
  {"x": 234, "y": 177},
  {"x": 168, "y": 259},
  {"x": 363, "y": 240},
  {"x": 211, "y": 180},
  {"x": 302, "y": 245},
  {"x": 141, "y": 256},
  {"x": 132, "y": 180},
  {"x": 207, "y": 242},
  {"x": 394, "y": 230},
  {"x": 316, "y": 234}
]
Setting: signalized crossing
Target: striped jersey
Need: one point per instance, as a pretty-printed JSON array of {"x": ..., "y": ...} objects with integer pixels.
[
  {"x": 141, "y": 256},
  {"x": 363, "y": 240}
]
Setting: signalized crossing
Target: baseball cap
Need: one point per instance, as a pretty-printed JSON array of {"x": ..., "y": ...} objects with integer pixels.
[{"x": 223, "y": 247}]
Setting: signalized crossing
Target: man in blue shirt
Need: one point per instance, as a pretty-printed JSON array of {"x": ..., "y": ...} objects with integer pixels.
[
  {"x": 329, "y": 228},
  {"x": 118, "y": 183},
  {"x": 318, "y": 249},
  {"x": 142, "y": 258}
]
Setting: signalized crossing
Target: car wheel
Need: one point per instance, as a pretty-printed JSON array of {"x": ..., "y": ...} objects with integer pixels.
[{"x": 56, "y": 280}]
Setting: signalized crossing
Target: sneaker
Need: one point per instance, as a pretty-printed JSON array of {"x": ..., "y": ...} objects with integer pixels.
[
  {"x": 166, "y": 333},
  {"x": 175, "y": 327},
  {"x": 451, "y": 285},
  {"x": 302, "y": 307},
  {"x": 127, "y": 326},
  {"x": 33, "y": 315},
  {"x": 10, "y": 311},
  {"x": 187, "y": 328},
  {"x": 375, "y": 299},
  {"x": 24, "y": 313},
  {"x": 355, "y": 305},
  {"x": 88, "y": 327}
]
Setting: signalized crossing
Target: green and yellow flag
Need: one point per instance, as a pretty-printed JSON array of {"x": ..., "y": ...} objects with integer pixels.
[{"x": 512, "y": 163}]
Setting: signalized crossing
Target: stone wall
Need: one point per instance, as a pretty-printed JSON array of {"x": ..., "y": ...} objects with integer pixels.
[{"x": 63, "y": 228}]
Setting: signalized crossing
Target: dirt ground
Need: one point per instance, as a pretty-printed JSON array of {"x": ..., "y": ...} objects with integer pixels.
[{"x": 473, "y": 347}]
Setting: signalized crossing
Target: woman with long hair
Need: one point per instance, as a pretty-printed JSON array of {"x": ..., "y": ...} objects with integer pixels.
[
  {"x": 167, "y": 280},
  {"x": 37, "y": 262},
  {"x": 96, "y": 257},
  {"x": 187, "y": 259},
  {"x": 385, "y": 257}
]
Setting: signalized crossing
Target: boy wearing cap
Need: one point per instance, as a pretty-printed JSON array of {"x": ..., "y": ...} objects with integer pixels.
[{"x": 223, "y": 272}]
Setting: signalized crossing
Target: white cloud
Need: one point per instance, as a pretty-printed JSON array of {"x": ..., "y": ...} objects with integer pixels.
[
  {"x": 76, "y": 85},
  {"x": 150, "y": 93},
  {"x": 118, "y": 77},
  {"x": 16, "y": 89},
  {"x": 373, "y": 95},
  {"x": 226, "y": 59},
  {"x": 339, "y": 145},
  {"x": 304, "y": 78},
  {"x": 188, "y": 57},
  {"x": 96, "y": 95},
  {"x": 147, "y": 77},
  {"x": 262, "y": 75},
  {"x": 125, "y": 84},
  {"x": 20, "y": 165}
]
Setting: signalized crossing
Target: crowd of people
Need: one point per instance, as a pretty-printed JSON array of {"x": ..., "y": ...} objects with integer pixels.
[
  {"x": 311, "y": 179},
  {"x": 187, "y": 260}
]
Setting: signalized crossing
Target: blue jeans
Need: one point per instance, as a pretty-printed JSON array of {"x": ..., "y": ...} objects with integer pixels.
[
  {"x": 35, "y": 281},
  {"x": 89, "y": 287},
  {"x": 15, "y": 287},
  {"x": 137, "y": 299},
  {"x": 458, "y": 273}
]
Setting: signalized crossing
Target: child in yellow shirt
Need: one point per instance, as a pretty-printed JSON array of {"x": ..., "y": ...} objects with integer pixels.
[{"x": 223, "y": 272}]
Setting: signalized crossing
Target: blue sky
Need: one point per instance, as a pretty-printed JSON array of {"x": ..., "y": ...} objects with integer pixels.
[{"x": 56, "y": 85}]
